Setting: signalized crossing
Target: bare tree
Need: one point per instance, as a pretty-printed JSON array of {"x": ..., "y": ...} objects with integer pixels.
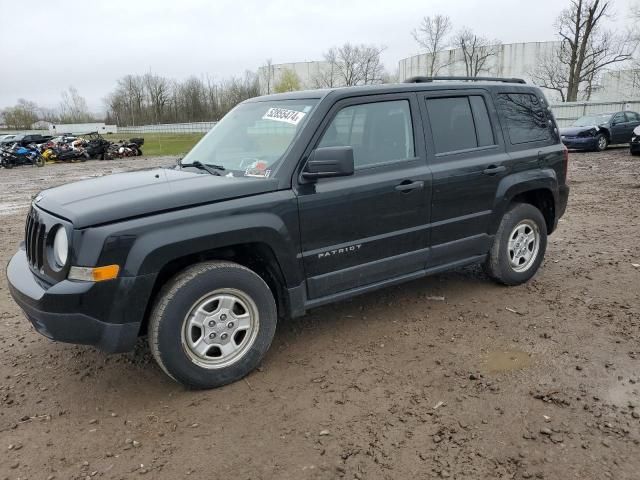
[
  {"x": 432, "y": 35},
  {"x": 267, "y": 75},
  {"x": 476, "y": 51},
  {"x": 73, "y": 107},
  {"x": 586, "y": 48},
  {"x": 22, "y": 115},
  {"x": 551, "y": 74},
  {"x": 350, "y": 65},
  {"x": 372, "y": 70},
  {"x": 158, "y": 91}
]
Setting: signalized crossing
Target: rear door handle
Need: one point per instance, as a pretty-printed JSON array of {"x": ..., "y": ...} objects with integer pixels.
[
  {"x": 408, "y": 186},
  {"x": 493, "y": 169}
]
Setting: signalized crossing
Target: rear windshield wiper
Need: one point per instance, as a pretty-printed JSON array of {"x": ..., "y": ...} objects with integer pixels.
[{"x": 212, "y": 169}]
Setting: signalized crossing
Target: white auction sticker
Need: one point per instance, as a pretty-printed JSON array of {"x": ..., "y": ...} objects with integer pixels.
[{"x": 284, "y": 115}]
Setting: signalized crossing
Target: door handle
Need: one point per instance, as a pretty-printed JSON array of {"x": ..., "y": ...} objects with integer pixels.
[
  {"x": 408, "y": 186},
  {"x": 493, "y": 169}
]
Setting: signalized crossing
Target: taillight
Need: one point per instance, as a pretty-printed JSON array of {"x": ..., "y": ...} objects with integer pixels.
[{"x": 565, "y": 153}]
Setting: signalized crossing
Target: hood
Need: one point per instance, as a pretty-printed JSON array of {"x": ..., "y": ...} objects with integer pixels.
[
  {"x": 125, "y": 195},
  {"x": 573, "y": 131}
]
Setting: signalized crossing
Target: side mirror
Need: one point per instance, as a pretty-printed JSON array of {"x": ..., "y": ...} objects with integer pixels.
[{"x": 329, "y": 162}]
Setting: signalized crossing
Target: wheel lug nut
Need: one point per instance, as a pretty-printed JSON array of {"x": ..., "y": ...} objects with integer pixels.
[
  {"x": 230, "y": 325},
  {"x": 212, "y": 323},
  {"x": 224, "y": 336},
  {"x": 212, "y": 335},
  {"x": 223, "y": 317}
]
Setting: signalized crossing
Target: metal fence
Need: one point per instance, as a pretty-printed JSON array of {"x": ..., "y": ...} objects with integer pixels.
[
  {"x": 567, "y": 113},
  {"x": 194, "y": 127}
]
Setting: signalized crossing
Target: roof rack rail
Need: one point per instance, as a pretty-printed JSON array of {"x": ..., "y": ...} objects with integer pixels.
[{"x": 420, "y": 79}]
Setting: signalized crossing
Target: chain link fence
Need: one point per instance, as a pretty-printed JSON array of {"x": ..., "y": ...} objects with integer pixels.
[
  {"x": 567, "y": 113},
  {"x": 177, "y": 128}
]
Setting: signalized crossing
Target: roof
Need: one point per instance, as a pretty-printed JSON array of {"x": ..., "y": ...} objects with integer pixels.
[{"x": 387, "y": 88}]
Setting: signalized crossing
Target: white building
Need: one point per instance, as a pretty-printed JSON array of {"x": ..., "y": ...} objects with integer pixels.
[
  {"x": 80, "y": 128},
  {"x": 616, "y": 85},
  {"x": 511, "y": 60}
]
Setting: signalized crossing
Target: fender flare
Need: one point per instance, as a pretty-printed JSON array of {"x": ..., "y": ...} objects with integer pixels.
[
  {"x": 153, "y": 248},
  {"x": 518, "y": 183}
]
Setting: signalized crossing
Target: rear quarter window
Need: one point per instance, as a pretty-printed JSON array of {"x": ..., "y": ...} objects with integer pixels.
[
  {"x": 459, "y": 123},
  {"x": 525, "y": 118}
]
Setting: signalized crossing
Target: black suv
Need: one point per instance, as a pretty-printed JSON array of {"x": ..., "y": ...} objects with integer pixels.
[{"x": 293, "y": 201}]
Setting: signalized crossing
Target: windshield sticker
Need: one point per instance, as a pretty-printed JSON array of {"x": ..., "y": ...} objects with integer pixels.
[
  {"x": 283, "y": 115},
  {"x": 257, "y": 169}
]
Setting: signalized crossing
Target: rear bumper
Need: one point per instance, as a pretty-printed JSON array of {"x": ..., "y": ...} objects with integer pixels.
[
  {"x": 563, "y": 199},
  {"x": 634, "y": 147},
  {"x": 107, "y": 315},
  {"x": 580, "y": 143}
]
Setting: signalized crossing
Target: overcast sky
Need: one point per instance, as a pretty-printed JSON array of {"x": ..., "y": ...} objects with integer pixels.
[{"x": 48, "y": 46}]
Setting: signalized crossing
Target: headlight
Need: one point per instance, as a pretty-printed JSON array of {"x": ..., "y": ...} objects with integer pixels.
[
  {"x": 61, "y": 247},
  {"x": 589, "y": 133}
]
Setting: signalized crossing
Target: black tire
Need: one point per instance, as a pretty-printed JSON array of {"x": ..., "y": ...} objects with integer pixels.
[
  {"x": 602, "y": 142},
  {"x": 498, "y": 264},
  {"x": 176, "y": 300},
  {"x": 40, "y": 161}
]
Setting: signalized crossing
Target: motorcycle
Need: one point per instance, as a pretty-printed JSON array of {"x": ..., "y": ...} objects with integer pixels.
[
  {"x": 131, "y": 148},
  {"x": 19, "y": 155}
]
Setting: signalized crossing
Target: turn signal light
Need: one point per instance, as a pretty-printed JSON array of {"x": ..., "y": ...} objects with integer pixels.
[{"x": 94, "y": 274}]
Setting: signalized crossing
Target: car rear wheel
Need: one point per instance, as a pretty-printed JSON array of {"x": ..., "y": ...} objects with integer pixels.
[
  {"x": 519, "y": 245},
  {"x": 212, "y": 324},
  {"x": 602, "y": 142}
]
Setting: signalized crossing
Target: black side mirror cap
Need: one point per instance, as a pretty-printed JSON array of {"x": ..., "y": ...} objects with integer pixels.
[{"x": 326, "y": 162}]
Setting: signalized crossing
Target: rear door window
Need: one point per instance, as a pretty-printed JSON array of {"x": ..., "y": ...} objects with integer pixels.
[
  {"x": 459, "y": 123},
  {"x": 525, "y": 117}
]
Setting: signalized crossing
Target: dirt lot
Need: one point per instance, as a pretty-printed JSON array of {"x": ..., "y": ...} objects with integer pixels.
[{"x": 451, "y": 376}]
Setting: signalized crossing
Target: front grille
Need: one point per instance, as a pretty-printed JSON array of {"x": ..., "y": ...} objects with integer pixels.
[{"x": 35, "y": 232}]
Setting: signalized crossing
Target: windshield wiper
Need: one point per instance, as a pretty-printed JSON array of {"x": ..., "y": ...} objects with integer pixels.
[{"x": 212, "y": 169}]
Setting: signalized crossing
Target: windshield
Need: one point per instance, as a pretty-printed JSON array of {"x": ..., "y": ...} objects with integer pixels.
[
  {"x": 252, "y": 138},
  {"x": 592, "y": 120}
]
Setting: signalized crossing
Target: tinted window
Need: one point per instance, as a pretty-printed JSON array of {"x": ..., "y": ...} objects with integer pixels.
[
  {"x": 619, "y": 118},
  {"x": 632, "y": 116},
  {"x": 451, "y": 124},
  {"x": 459, "y": 123},
  {"x": 525, "y": 117},
  {"x": 378, "y": 132},
  {"x": 483, "y": 124}
]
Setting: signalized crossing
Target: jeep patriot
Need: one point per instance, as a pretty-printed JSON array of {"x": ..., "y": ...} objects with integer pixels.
[{"x": 293, "y": 201}]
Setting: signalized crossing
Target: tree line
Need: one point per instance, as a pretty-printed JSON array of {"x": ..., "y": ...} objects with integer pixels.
[{"x": 151, "y": 98}]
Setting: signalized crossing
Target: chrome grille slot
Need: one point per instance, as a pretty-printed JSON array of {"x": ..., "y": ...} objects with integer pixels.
[
  {"x": 39, "y": 258},
  {"x": 35, "y": 232}
]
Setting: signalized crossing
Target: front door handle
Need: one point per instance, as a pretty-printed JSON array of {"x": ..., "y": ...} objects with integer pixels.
[
  {"x": 408, "y": 186},
  {"x": 493, "y": 169}
]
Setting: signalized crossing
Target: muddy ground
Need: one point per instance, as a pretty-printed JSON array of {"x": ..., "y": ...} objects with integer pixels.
[{"x": 451, "y": 376}]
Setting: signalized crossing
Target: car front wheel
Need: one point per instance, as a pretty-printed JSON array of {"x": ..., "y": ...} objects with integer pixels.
[
  {"x": 519, "y": 245},
  {"x": 602, "y": 142},
  {"x": 212, "y": 324}
]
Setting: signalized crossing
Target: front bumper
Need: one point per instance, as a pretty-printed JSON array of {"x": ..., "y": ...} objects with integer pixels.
[
  {"x": 107, "y": 314},
  {"x": 580, "y": 143}
]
